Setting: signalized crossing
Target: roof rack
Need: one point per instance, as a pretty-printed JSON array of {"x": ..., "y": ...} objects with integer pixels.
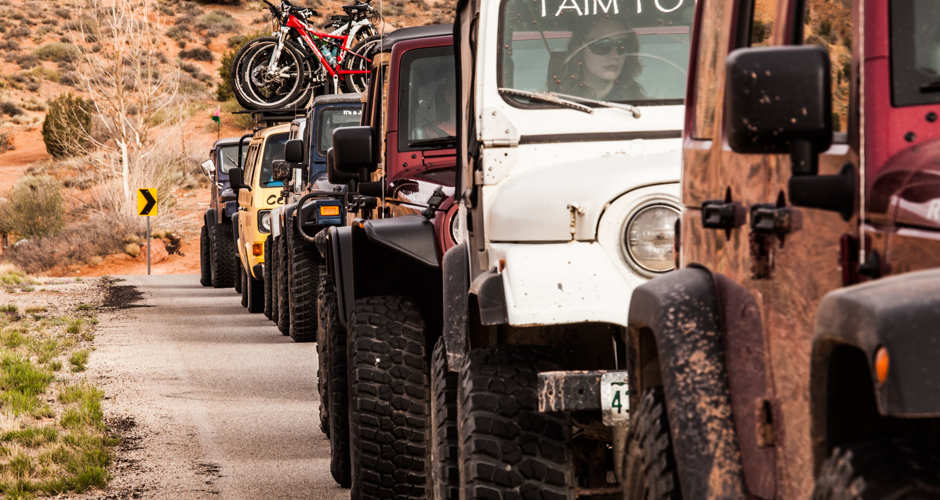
[{"x": 272, "y": 117}]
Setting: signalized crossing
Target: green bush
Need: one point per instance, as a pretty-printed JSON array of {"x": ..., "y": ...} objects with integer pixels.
[
  {"x": 58, "y": 52},
  {"x": 6, "y": 142},
  {"x": 65, "y": 129},
  {"x": 196, "y": 54},
  {"x": 33, "y": 208}
]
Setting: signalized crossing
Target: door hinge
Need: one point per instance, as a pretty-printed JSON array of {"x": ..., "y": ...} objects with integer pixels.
[{"x": 723, "y": 214}]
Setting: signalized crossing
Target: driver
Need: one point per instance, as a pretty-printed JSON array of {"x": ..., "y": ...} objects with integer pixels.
[{"x": 601, "y": 62}]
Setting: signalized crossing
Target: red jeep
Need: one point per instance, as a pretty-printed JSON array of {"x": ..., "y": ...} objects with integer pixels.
[{"x": 795, "y": 352}]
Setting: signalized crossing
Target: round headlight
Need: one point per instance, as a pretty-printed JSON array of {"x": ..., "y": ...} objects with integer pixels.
[
  {"x": 455, "y": 226},
  {"x": 649, "y": 238},
  {"x": 264, "y": 221}
]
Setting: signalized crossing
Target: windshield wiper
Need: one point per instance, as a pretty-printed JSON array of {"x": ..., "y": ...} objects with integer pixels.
[
  {"x": 635, "y": 111},
  {"x": 549, "y": 97},
  {"x": 930, "y": 87},
  {"x": 434, "y": 142}
]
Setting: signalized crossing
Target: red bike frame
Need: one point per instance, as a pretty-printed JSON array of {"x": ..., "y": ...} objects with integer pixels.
[{"x": 293, "y": 22}]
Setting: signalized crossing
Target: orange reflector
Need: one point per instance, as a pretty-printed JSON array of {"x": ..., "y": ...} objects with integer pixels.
[
  {"x": 882, "y": 364},
  {"x": 257, "y": 249},
  {"x": 502, "y": 264},
  {"x": 329, "y": 210}
]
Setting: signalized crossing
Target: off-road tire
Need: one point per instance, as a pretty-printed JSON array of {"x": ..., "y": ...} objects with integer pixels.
[
  {"x": 255, "y": 294},
  {"x": 268, "y": 264},
  {"x": 303, "y": 290},
  {"x": 205, "y": 275},
  {"x": 389, "y": 394},
  {"x": 283, "y": 261},
  {"x": 236, "y": 258},
  {"x": 880, "y": 469},
  {"x": 275, "y": 262},
  {"x": 444, "y": 470},
  {"x": 650, "y": 464},
  {"x": 244, "y": 287},
  {"x": 221, "y": 264},
  {"x": 334, "y": 336},
  {"x": 507, "y": 449},
  {"x": 323, "y": 363}
]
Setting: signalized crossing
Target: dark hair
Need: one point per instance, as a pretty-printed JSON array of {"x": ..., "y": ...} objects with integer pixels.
[{"x": 568, "y": 78}]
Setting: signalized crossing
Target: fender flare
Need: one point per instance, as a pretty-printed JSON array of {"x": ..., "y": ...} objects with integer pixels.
[
  {"x": 341, "y": 263},
  {"x": 455, "y": 274},
  {"x": 681, "y": 310},
  {"x": 899, "y": 313},
  {"x": 411, "y": 235}
]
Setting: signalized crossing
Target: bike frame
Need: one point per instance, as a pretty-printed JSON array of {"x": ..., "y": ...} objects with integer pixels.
[{"x": 307, "y": 35}]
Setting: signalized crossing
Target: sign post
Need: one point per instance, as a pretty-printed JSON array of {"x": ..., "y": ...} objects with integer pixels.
[{"x": 147, "y": 206}]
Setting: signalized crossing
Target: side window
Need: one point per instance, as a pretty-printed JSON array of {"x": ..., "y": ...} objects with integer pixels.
[
  {"x": 761, "y": 29},
  {"x": 250, "y": 163},
  {"x": 830, "y": 24}
]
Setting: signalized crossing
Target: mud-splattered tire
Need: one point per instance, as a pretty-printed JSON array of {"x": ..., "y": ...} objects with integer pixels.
[
  {"x": 323, "y": 363},
  {"x": 205, "y": 253},
  {"x": 221, "y": 265},
  {"x": 280, "y": 294},
  {"x": 268, "y": 264},
  {"x": 274, "y": 263},
  {"x": 880, "y": 469},
  {"x": 389, "y": 394},
  {"x": 303, "y": 290},
  {"x": 444, "y": 473},
  {"x": 650, "y": 466},
  {"x": 244, "y": 287},
  {"x": 334, "y": 336},
  {"x": 255, "y": 294},
  {"x": 507, "y": 448}
]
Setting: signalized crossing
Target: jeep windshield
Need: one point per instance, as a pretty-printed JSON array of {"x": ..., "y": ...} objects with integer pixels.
[
  {"x": 915, "y": 52},
  {"x": 428, "y": 114},
  {"x": 332, "y": 118},
  {"x": 634, "y": 52},
  {"x": 273, "y": 150},
  {"x": 228, "y": 157}
]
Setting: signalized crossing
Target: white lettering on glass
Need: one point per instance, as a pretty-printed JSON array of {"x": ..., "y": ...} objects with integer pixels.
[{"x": 603, "y": 7}]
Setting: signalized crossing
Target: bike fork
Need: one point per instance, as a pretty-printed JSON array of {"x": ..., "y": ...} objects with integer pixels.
[{"x": 276, "y": 55}]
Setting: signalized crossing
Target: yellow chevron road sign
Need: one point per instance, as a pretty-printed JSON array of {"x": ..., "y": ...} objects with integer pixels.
[{"x": 147, "y": 202}]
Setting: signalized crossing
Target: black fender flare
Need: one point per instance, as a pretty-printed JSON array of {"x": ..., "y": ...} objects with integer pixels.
[
  {"x": 900, "y": 313},
  {"x": 681, "y": 310},
  {"x": 340, "y": 241},
  {"x": 411, "y": 235},
  {"x": 455, "y": 273}
]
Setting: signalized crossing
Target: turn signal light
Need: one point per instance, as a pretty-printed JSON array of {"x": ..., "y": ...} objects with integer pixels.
[
  {"x": 257, "y": 249},
  {"x": 329, "y": 210},
  {"x": 882, "y": 364}
]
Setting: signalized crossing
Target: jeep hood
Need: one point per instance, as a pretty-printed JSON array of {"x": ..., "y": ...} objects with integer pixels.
[{"x": 540, "y": 203}]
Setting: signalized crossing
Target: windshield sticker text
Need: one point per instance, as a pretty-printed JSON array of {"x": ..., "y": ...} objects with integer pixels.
[{"x": 601, "y": 7}]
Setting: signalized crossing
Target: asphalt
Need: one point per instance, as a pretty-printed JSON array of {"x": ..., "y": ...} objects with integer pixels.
[{"x": 214, "y": 401}]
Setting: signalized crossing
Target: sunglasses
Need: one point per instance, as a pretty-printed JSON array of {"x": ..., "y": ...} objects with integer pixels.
[{"x": 603, "y": 46}]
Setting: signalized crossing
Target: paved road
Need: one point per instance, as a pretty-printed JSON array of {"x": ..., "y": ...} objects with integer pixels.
[{"x": 216, "y": 400}]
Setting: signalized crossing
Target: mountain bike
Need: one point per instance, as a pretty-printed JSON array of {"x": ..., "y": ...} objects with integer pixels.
[{"x": 283, "y": 70}]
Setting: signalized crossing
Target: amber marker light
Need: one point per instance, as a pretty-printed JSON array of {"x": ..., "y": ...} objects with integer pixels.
[
  {"x": 882, "y": 364},
  {"x": 329, "y": 210},
  {"x": 257, "y": 249}
]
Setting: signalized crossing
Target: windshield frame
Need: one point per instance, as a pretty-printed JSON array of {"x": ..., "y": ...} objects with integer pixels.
[
  {"x": 407, "y": 59},
  {"x": 905, "y": 87},
  {"x": 503, "y": 5}
]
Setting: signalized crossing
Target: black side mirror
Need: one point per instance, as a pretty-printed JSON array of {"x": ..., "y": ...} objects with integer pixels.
[
  {"x": 353, "y": 150},
  {"x": 235, "y": 178},
  {"x": 334, "y": 175},
  {"x": 779, "y": 100},
  {"x": 281, "y": 170},
  {"x": 294, "y": 151}
]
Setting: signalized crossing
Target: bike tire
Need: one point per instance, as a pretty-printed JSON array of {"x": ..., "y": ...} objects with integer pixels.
[
  {"x": 365, "y": 48},
  {"x": 247, "y": 62}
]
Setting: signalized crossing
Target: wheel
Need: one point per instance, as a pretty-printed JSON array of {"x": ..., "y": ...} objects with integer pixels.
[
  {"x": 205, "y": 277},
  {"x": 221, "y": 266},
  {"x": 389, "y": 394},
  {"x": 268, "y": 264},
  {"x": 303, "y": 290},
  {"x": 255, "y": 294},
  {"x": 650, "y": 465},
  {"x": 256, "y": 88},
  {"x": 244, "y": 287},
  {"x": 879, "y": 469},
  {"x": 444, "y": 475},
  {"x": 358, "y": 59},
  {"x": 283, "y": 261},
  {"x": 275, "y": 262},
  {"x": 236, "y": 259},
  {"x": 334, "y": 336},
  {"x": 322, "y": 352},
  {"x": 507, "y": 448}
]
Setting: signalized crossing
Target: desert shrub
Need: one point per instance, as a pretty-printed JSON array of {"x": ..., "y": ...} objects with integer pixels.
[
  {"x": 9, "y": 45},
  {"x": 216, "y": 22},
  {"x": 66, "y": 125},
  {"x": 10, "y": 109},
  {"x": 74, "y": 245},
  {"x": 194, "y": 71},
  {"x": 221, "y": 2},
  {"x": 58, "y": 52},
  {"x": 63, "y": 13},
  {"x": 69, "y": 78},
  {"x": 26, "y": 60},
  {"x": 6, "y": 142},
  {"x": 179, "y": 33},
  {"x": 196, "y": 54},
  {"x": 33, "y": 208}
]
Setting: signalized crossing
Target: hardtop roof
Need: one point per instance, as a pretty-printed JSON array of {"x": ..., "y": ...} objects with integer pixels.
[
  {"x": 414, "y": 33},
  {"x": 351, "y": 98}
]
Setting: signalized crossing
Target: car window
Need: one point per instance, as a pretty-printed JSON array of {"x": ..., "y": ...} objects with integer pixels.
[
  {"x": 273, "y": 150},
  {"x": 228, "y": 157},
  {"x": 915, "y": 52},
  {"x": 250, "y": 162},
  {"x": 428, "y": 88},
  {"x": 829, "y": 25},
  {"x": 332, "y": 118}
]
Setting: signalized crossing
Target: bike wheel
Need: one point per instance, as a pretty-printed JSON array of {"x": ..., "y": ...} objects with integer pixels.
[
  {"x": 359, "y": 59},
  {"x": 256, "y": 88}
]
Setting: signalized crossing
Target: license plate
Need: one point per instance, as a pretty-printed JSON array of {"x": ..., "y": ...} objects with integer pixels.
[{"x": 615, "y": 398}]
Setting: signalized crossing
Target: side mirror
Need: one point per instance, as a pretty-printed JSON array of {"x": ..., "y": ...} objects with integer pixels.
[
  {"x": 334, "y": 175},
  {"x": 208, "y": 167},
  {"x": 294, "y": 151},
  {"x": 281, "y": 170},
  {"x": 353, "y": 149},
  {"x": 236, "y": 178},
  {"x": 779, "y": 100},
  {"x": 227, "y": 194}
]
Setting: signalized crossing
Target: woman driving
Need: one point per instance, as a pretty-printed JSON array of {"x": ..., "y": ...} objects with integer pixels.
[{"x": 601, "y": 62}]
